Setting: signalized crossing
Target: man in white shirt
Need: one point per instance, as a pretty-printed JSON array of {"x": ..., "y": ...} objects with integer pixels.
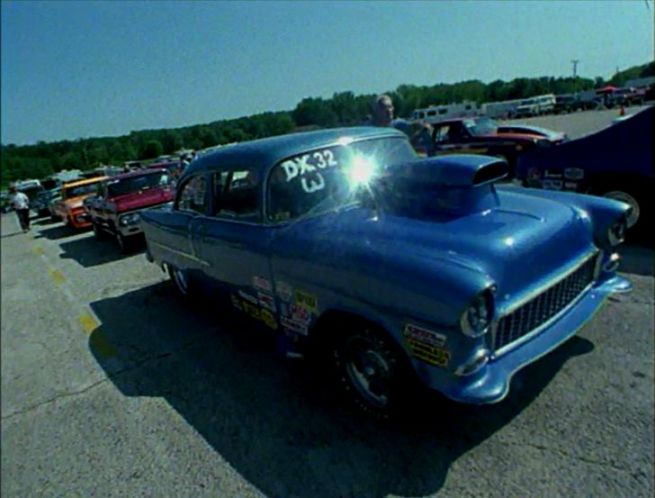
[{"x": 21, "y": 204}]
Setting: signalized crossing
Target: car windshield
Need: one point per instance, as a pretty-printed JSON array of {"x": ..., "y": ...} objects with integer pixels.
[
  {"x": 137, "y": 183},
  {"x": 482, "y": 126},
  {"x": 89, "y": 188},
  {"x": 332, "y": 177}
]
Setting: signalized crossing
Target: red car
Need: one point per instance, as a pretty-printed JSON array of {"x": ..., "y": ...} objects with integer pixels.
[
  {"x": 116, "y": 209},
  {"x": 482, "y": 136}
]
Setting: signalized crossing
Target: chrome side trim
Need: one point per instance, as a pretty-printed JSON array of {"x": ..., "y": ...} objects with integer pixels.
[{"x": 181, "y": 253}]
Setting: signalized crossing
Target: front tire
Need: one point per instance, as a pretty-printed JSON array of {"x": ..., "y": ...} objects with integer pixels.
[
  {"x": 371, "y": 371},
  {"x": 125, "y": 243},
  {"x": 98, "y": 232}
]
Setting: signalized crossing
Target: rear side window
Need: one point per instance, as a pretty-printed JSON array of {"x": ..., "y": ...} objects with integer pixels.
[
  {"x": 237, "y": 195},
  {"x": 193, "y": 195}
]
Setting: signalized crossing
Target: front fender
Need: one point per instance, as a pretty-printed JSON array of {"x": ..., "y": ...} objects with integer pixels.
[{"x": 601, "y": 212}]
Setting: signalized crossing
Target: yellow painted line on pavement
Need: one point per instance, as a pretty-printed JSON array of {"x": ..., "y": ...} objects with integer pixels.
[
  {"x": 89, "y": 324},
  {"x": 57, "y": 276},
  {"x": 98, "y": 341},
  {"x": 38, "y": 251}
]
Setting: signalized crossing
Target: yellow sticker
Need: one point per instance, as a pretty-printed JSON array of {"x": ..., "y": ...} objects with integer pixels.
[
  {"x": 251, "y": 309},
  {"x": 430, "y": 354},
  {"x": 305, "y": 300},
  {"x": 268, "y": 318}
]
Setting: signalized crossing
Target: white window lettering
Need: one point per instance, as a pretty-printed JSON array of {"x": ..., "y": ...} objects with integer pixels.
[
  {"x": 320, "y": 160},
  {"x": 313, "y": 186},
  {"x": 330, "y": 158},
  {"x": 304, "y": 166},
  {"x": 290, "y": 169}
]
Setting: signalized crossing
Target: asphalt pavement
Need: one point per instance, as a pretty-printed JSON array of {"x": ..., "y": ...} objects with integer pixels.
[
  {"x": 111, "y": 386},
  {"x": 578, "y": 124}
]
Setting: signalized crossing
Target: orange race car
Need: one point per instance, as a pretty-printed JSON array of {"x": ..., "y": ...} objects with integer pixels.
[{"x": 70, "y": 208}]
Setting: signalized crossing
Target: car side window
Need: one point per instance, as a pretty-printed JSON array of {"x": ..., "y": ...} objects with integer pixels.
[
  {"x": 237, "y": 195},
  {"x": 441, "y": 133},
  {"x": 193, "y": 195}
]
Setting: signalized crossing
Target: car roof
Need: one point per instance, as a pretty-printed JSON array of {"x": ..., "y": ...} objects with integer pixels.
[
  {"x": 77, "y": 183},
  {"x": 263, "y": 153},
  {"x": 141, "y": 172}
]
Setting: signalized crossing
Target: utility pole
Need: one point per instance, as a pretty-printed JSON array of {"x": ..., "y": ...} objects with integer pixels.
[{"x": 575, "y": 67}]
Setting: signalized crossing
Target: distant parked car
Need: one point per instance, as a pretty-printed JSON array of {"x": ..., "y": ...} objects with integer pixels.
[
  {"x": 626, "y": 97},
  {"x": 526, "y": 109},
  {"x": 70, "y": 207},
  {"x": 565, "y": 104},
  {"x": 482, "y": 136},
  {"x": 117, "y": 207},
  {"x": 557, "y": 137},
  {"x": 41, "y": 203},
  {"x": 385, "y": 268},
  {"x": 5, "y": 202},
  {"x": 55, "y": 197}
]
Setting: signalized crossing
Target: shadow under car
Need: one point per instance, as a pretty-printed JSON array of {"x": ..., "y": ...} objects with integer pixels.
[
  {"x": 88, "y": 251},
  {"x": 266, "y": 417}
]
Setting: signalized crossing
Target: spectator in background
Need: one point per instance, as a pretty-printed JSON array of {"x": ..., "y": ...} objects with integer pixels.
[
  {"x": 21, "y": 204},
  {"x": 383, "y": 110}
]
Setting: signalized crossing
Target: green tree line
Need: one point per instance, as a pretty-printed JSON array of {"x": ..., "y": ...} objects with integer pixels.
[{"x": 343, "y": 109}]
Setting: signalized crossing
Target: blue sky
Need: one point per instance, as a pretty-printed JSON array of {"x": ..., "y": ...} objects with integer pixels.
[{"x": 80, "y": 69}]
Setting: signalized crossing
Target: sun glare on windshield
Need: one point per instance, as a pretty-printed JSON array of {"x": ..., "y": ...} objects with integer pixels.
[{"x": 361, "y": 171}]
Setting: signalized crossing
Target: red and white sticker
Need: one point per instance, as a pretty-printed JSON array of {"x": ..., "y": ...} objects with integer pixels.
[
  {"x": 261, "y": 283},
  {"x": 266, "y": 301}
]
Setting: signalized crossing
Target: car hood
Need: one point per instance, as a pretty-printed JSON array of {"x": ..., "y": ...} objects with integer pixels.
[
  {"x": 519, "y": 242},
  {"x": 553, "y": 136},
  {"x": 523, "y": 137},
  {"x": 75, "y": 202},
  {"x": 142, "y": 198}
]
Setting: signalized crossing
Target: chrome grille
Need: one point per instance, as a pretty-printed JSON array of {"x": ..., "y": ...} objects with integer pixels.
[{"x": 542, "y": 308}]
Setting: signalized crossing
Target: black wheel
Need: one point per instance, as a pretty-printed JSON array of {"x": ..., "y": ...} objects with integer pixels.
[
  {"x": 125, "y": 243},
  {"x": 98, "y": 232},
  {"x": 372, "y": 372}
]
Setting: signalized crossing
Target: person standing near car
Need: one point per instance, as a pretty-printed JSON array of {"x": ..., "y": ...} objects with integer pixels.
[
  {"x": 21, "y": 204},
  {"x": 382, "y": 115}
]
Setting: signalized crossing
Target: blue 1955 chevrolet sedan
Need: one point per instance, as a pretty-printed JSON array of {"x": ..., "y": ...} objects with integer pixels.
[{"x": 392, "y": 267}]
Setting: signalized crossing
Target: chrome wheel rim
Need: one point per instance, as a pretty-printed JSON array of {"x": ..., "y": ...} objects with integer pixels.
[
  {"x": 620, "y": 195},
  {"x": 368, "y": 370},
  {"x": 180, "y": 281}
]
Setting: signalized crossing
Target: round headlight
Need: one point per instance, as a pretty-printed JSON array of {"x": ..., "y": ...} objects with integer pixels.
[
  {"x": 477, "y": 317},
  {"x": 616, "y": 233}
]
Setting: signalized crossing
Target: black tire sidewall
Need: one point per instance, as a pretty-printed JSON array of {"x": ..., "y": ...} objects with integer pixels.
[{"x": 401, "y": 379}]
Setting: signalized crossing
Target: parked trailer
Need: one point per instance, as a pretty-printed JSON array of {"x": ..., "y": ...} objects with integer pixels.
[
  {"x": 502, "y": 109},
  {"x": 435, "y": 113}
]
